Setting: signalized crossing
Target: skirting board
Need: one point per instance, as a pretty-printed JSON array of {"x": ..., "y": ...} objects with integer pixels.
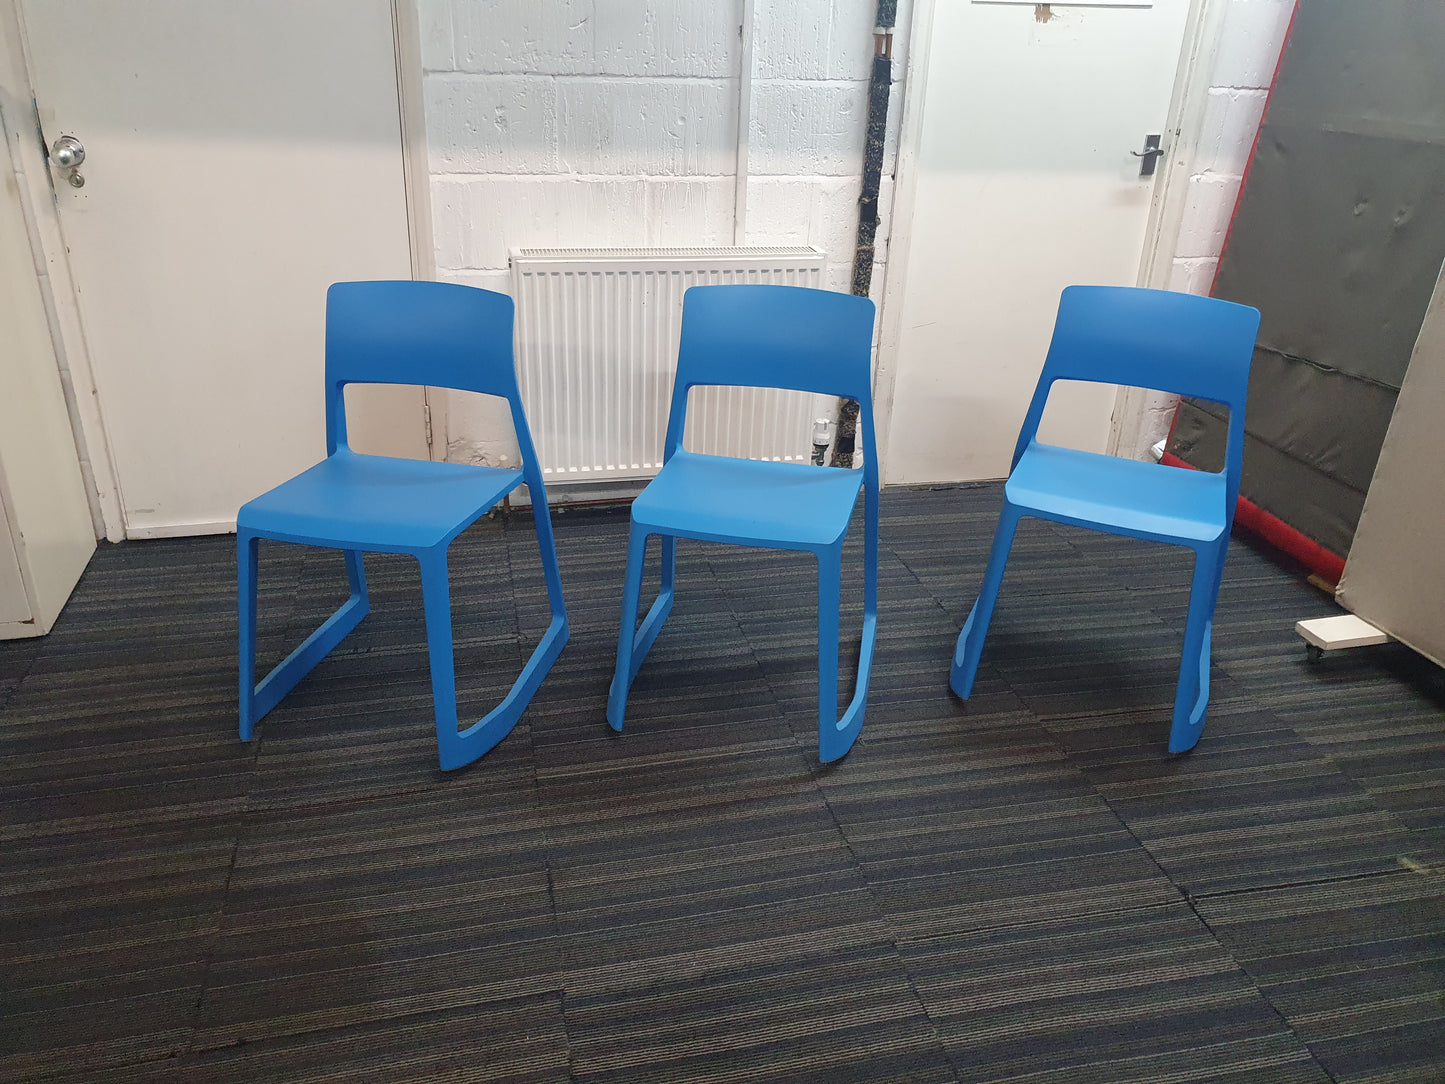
[
  {"x": 183, "y": 530},
  {"x": 561, "y": 494}
]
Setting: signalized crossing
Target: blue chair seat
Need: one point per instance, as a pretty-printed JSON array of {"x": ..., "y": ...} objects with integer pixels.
[
  {"x": 377, "y": 503},
  {"x": 781, "y": 505},
  {"x": 1120, "y": 495}
]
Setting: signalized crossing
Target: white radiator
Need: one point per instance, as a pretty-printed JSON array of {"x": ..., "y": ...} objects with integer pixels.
[{"x": 597, "y": 334}]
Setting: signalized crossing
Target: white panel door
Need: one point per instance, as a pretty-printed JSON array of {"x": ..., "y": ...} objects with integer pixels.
[
  {"x": 239, "y": 158},
  {"x": 1025, "y": 185},
  {"x": 14, "y": 604}
]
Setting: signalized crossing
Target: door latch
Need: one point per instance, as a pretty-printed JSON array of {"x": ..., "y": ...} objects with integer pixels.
[{"x": 1149, "y": 155}]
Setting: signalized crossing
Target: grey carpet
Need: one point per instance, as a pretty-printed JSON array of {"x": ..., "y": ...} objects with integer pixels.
[{"x": 1026, "y": 886}]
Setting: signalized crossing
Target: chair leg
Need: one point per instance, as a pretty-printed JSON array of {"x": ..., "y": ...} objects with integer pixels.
[
  {"x": 836, "y": 736},
  {"x": 555, "y": 638},
  {"x": 830, "y": 581},
  {"x": 356, "y": 575},
  {"x": 257, "y": 701},
  {"x": 436, "y": 596},
  {"x": 669, "y": 564},
  {"x": 632, "y": 647},
  {"x": 975, "y": 629},
  {"x": 1191, "y": 697},
  {"x": 661, "y": 606},
  {"x": 481, "y": 736},
  {"x": 547, "y": 544},
  {"x": 246, "y": 546},
  {"x": 458, "y": 748},
  {"x": 834, "y": 741}
]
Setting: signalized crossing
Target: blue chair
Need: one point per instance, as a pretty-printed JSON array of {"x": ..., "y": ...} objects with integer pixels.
[
  {"x": 1197, "y": 346},
  {"x": 427, "y": 333},
  {"x": 764, "y": 337}
]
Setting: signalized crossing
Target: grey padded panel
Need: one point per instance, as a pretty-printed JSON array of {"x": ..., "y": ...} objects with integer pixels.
[
  {"x": 1336, "y": 240},
  {"x": 1337, "y": 237},
  {"x": 1299, "y": 490}
]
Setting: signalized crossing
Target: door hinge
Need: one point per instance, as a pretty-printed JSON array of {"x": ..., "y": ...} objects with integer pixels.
[{"x": 426, "y": 421}]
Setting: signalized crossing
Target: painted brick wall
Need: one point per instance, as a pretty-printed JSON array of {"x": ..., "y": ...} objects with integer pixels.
[
  {"x": 810, "y": 106},
  {"x": 1253, "y": 35},
  {"x": 614, "y": 123}
]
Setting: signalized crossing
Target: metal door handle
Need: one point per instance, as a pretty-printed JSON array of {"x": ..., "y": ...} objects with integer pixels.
[
  {"x": 1150, "y": 155},
  {"x": 68, "y": 152}
]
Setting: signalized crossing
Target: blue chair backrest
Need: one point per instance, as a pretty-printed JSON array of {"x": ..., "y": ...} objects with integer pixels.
[
  {"x": 777, "y": 337},
  {"x": 437, "y": 334},
  {"x": 1181, "y": 343}
]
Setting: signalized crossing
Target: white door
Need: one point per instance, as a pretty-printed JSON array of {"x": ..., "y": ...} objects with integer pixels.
[
  {"x": 239, "y": 158},
  {"x": 14, "y": 605},
  {"x": 1025, "y": 184}
]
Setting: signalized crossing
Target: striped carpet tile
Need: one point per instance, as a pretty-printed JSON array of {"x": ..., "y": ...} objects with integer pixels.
[
  {"x": 1356, "y": 966},
  {"x": 1025, "y": 886},
  {"x": 1140, "y": 994}
]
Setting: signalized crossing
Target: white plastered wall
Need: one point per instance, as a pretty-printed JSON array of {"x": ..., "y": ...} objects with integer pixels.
[{"x": 614, "y": 123}]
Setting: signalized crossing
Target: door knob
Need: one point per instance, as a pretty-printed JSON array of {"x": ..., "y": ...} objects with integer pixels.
[{"x": 68, "y": 152}]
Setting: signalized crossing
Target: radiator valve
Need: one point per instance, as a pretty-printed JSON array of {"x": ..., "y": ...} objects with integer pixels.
[{"x": 820, "y": 440}]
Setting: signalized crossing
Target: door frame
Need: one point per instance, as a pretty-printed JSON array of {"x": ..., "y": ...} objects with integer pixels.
[
  {"x": 29, "y": 163},
  {"x": 416, "y": 169},
  {"x": 1190, "y": 95}
]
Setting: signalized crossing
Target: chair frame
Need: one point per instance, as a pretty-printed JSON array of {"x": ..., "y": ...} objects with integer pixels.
[
  {"x": 1116, "y": 360},
  {"x": 485, "y": 365},
  {"x": 755, "y": 366}
]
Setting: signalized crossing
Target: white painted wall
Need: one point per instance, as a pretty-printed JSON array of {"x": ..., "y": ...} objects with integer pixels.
[
  {"x": 1253, "y": 34},
  {"x": 614, "y": 123}
]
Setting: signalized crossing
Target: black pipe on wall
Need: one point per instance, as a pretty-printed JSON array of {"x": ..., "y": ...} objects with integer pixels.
[{"x": 879, "y": 85}]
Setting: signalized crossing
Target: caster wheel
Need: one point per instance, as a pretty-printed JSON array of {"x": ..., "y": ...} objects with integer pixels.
[{"x": 1313, "y": 653}]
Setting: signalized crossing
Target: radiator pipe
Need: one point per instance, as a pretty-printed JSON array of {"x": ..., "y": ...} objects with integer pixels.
[
  {"x": 745, "y": 121},
  {"x": 879, "y": 84}
]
